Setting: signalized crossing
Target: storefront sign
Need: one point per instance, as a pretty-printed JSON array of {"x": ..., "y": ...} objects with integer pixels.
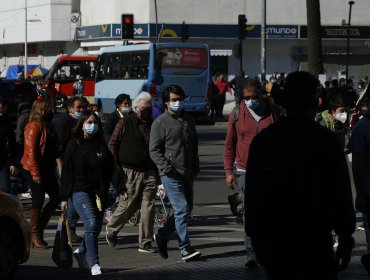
[
  {"x": 337, "y": 32},
  {"x": 282, "y": 31}
]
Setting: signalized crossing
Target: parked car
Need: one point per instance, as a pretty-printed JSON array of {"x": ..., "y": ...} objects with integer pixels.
[
  {"x": 15, "y": 92},
  {"x": 15, "y": 235}
]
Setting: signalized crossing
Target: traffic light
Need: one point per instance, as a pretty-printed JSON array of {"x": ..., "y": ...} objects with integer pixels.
[
  {"x": 242, "y": 24},
  {"x": 184, "y": 32},
  {"x": 127, "y": 26}
]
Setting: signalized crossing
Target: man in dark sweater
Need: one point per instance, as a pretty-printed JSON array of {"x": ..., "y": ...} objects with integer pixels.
[
  {"x": 130, "y": 147},
  {"x": 293, "y": 194}
]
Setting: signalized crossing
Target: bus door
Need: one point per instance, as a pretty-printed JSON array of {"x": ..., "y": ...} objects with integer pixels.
[{"x": 187, "y": 67}]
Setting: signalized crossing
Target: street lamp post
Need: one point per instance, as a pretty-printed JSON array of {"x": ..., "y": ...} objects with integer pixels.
[
  {"x": 25, "y": 38},
  {"x": 348, "y": 36}
]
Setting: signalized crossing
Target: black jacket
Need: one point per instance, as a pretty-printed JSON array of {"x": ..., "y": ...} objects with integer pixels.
[
  {"x": 64, "y": 127},
  {"x": 297, "y": 190},
  {"x": 7, "y": 143},
  {"x": 87, "y": 167}
]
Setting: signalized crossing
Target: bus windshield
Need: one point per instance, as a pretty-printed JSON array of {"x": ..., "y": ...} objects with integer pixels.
[{"x": 179, "y": 57}]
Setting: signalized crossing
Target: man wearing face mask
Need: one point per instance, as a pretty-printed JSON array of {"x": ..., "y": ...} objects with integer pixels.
[
  {"x": 63, "y": 127},
  {"x": 174, "y": 149},
  {"x": 123, "y": 108},
  {"x": 129, "y": 145},
  {"x": 335, "y": 118},
  {"x": 253, "y": 114}
]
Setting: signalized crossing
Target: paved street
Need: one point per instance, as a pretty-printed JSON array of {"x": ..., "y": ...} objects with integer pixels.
[{"x": 214, "y": 232}]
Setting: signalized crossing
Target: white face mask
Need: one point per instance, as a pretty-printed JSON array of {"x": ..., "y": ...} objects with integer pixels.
[
  {"x": 126, "y": 110},
  {"x": 176, "y": 106},
  {"x": 342, "y": 117},
  {"x": 90, "y": 128},
  {"x": 76, "y": 115}
]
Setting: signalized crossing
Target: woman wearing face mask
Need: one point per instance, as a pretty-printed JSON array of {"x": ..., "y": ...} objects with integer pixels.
[
  {"x": 86, "y": 172},
  {"x": 123, "y": 108},
  {"x": 41, "y": 149},
  {"x": 336, "y": 118}
]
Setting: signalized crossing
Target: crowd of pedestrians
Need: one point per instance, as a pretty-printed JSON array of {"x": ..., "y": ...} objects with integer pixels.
[
  {"x": 284, "y": 141},
  {"x": 298, "y": 162}
]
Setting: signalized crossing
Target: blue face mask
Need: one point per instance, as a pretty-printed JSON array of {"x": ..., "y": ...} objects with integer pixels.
[
  {"x": 76, "y": 115},
  {"x": 252, "y": 104},
  {"x": 126, "y": 110},
  {"x": 90, "y": 128},
  {"x": 176, "y": 106}
]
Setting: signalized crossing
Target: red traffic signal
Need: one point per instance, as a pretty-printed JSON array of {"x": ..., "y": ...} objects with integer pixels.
[{"x": 127, "y": 26}]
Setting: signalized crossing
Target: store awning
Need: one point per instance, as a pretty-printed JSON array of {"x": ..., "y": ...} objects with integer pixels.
[{"x": 221, "y": 52}]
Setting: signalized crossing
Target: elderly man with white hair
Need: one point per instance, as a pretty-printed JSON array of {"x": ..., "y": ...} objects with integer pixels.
[{"x": 130, "y": 146}]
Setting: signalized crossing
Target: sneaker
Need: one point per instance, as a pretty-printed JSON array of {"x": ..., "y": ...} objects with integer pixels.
[
  {"x": 96, "y": 269},
  {"x": 335, "y": 241},
  {"x": 361, "y": 227},
  {"x": 26, "y": 195},
  {"x": 161, "y": 245},
  {"x": 108, "y": 215},
  {"x": 81, "y": 259},
  {"x": 189, "y": 254},
  {"x": 251, "y": 259},
  {"x": 148, "y": 249},
  {"x": 111, "y": 238},
  {"x": 233, "y": 201},
  {"x": 75, "y": 238}
]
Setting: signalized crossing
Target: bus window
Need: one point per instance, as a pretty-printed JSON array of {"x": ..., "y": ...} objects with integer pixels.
[{"x": 101, "y": 75}]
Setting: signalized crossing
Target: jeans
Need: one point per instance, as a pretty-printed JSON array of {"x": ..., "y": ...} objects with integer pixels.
[
  {"x": 5, "y": 185},
  {"x": 367, "y": 232},
  {"x": 85, "y": 205},
  {"x": 72, "y": 215},
  {"x": 240, "y": 181},
  {"x": 180, "y": 195}
]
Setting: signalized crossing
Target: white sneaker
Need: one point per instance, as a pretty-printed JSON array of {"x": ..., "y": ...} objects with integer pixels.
[
  {"x": 96, "y": 269},
  {"x": 81, "y": 259},
  {"x": 26, "y": 195}
]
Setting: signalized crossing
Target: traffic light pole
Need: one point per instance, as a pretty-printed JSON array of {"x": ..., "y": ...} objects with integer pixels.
[
  {"x": 241, "y": 54},
  {"x": 263, "y": 42}
]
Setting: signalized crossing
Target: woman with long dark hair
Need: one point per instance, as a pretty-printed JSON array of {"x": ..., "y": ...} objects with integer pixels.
[
  {"x": 41, "y": 149},
  {"x": 86, "y": 173}
]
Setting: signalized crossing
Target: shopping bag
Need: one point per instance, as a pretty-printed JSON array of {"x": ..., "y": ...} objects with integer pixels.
[{"x": 63, "y": 252}]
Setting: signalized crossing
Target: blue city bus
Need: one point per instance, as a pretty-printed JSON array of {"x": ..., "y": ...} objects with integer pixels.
[{"x": 151, "y": 67}]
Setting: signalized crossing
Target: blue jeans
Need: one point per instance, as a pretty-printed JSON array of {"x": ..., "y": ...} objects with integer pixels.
[
  {"x": 85, "y": 205},
  {"x": 180, "y": 195},
  {"x": 5, "y": 184},
  {"x": 72, "y": 215}
]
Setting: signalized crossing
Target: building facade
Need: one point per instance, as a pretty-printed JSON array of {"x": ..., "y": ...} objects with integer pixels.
[{"x": 55, "y": 27}]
